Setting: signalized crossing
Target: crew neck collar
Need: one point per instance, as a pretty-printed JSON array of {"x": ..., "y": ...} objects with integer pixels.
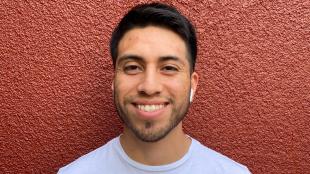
[{"x": 150, "y": 168}]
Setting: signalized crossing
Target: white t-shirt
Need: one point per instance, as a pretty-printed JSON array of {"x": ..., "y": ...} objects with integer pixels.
[{"x": 111, "y": 159}]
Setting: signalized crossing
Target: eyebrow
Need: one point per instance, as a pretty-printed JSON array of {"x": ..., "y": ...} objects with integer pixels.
[
  {"x": 141, "y": 59},
  {"x": 168, "y": 58},
  {"x": 129, "y": 57}
]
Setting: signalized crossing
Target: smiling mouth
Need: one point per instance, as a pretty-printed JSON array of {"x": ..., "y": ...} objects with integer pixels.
[{"x": 150, "y": 107}]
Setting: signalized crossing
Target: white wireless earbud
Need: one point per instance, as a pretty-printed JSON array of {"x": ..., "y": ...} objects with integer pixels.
[{"x": 191, "y": 95}]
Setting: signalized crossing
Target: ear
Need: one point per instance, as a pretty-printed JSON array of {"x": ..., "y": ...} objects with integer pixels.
[
  {"x": 112, "y": 85},
  {"x": 194, "y": 83}
]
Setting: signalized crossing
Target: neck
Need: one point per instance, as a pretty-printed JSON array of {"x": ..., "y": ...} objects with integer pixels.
[{"x": 167, "y": 150}]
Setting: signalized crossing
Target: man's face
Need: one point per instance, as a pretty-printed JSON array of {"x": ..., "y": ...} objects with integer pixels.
[{"x": 152, "y": 81}]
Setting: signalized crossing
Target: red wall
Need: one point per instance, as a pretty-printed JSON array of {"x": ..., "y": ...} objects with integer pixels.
[{"x": 253, "y": 101}]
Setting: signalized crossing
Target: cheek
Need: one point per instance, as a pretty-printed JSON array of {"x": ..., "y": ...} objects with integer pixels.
[
  {"x": 124, "y": 86},
  {"x": 178, "y": 87}
]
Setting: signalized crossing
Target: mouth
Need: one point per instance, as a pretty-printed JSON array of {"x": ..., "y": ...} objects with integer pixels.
[{"x": 150, "y": 107}]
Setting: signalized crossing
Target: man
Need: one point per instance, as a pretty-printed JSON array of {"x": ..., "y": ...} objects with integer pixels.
[{"x": 154, "y": 52}]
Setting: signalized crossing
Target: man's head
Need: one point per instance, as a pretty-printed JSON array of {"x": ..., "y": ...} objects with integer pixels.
[
  {"x": 161, "y": 15},
  {"x": 154, "y": 61}
]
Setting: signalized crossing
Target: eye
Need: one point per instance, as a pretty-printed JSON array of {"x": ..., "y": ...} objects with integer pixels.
[
  {"x": 132, "y": 69},
  {"x": 170, "y": 68}
]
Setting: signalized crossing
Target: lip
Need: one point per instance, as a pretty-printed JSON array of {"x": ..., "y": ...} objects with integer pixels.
[
  {"x": 153, "y": 115},
  {"x": 150, "y": 102}
]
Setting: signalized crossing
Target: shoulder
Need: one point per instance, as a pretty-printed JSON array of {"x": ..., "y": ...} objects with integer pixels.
[
  {"x": 215, "y": 161},
  {"x": 91, "y": 162}
]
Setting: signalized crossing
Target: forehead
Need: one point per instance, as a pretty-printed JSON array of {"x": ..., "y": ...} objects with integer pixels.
[{"x": 152, "y": 42}]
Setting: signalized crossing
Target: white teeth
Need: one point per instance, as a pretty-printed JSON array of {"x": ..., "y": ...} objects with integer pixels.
[{"x": 150, "y": 108}]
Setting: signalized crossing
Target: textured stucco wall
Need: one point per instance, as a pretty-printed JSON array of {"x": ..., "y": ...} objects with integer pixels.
[{"x": 253, "y": 101}]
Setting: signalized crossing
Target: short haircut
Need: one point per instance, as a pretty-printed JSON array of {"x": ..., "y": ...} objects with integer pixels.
[{"x": 156, "y": 14}]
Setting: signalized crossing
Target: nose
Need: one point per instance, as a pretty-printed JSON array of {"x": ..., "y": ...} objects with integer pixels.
[{"x": 150, "y": 83}]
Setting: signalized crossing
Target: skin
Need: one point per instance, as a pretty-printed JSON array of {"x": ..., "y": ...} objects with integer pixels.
[{"x": 153, "y": 68}]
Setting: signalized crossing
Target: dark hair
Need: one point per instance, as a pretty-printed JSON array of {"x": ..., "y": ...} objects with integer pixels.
[{"x": 156, "y": 14}]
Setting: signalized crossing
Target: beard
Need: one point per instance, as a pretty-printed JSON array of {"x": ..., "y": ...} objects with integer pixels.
[{"x": 145, "y": 133}]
